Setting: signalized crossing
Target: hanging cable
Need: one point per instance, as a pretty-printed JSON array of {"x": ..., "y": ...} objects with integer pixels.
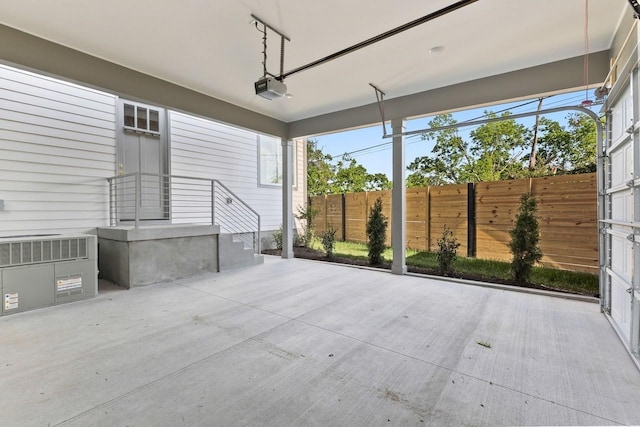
[
  {"x": 587, "y": 102},
  {"x": 386, "y": 145},
  {"x": 281, "y": 58},
  {"x": 264, "y": 45}
]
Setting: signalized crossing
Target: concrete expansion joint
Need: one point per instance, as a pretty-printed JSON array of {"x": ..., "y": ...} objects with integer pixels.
[{"x": 299, "y": 320}]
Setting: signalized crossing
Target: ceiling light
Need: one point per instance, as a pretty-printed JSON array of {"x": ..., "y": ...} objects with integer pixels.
[{"x": 436, "y": 49}]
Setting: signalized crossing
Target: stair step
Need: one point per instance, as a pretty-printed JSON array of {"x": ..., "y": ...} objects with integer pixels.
[{"x": 233, "y": 254}]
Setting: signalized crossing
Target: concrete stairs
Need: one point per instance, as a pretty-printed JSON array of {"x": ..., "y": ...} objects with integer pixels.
[{"x": 233, "y": 254}]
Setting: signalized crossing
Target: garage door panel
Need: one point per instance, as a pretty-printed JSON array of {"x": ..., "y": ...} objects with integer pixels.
[
  {"x": 621, "y": 164},
  {"x": 621, "y": 115},
  {"x": 622, "y": 206},
  {"x": 619, "y": 211},
  {"x": 621, "y": 305},
  {"x": 622, "y": 257}
]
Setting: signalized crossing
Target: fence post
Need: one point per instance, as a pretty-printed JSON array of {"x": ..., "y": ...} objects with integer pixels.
[
  {"x": 344, "y": 217},
  {"x": 471, "y": 220},
  {"x": 428, "y": 196}
]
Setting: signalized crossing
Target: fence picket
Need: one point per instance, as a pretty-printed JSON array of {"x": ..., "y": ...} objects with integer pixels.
[{"x": 567, "y": 214}]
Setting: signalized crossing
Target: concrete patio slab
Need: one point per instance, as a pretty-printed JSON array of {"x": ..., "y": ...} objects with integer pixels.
[{"x": 296, "y": 342}]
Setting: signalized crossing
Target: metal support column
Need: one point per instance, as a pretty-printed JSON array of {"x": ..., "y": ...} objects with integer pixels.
[
  {"x": 287, "y": 199},
  {"x": 398, "y": 201}
]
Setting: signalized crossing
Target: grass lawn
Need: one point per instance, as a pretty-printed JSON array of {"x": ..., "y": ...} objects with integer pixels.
[{"x": 582, "y": 283}]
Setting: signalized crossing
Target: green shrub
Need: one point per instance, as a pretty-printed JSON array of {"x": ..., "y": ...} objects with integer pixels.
[
  {"x": 277, "y": 238},
  {"x": 376, "y": 233},
  {"x": 446, "y": 253},
  {"x": 306, "y": 214},
  {"x": 524, "y": 240},
  {"x": 328, "y": 239}
]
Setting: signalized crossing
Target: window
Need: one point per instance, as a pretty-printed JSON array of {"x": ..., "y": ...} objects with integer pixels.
[
  {"x": 270, "y": 161},
  {"x": 141, "y": 119}
]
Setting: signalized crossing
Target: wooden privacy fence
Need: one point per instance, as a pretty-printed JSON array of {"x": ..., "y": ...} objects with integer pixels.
[{"x": 480, "y": 216}]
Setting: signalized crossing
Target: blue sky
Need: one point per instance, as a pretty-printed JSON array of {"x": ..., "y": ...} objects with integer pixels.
[{"x": 364, "y": 143}]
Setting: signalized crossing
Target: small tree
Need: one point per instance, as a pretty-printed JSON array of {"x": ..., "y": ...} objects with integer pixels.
[
  {"x": 377, "y": 233},
  {"x": 328, "y": 239},
  {"x": 306, "y": 214},
  {"x": 277, "y": 238},
  {"x": 524, "y": 240},
  {"x": 447, "y": 248}
]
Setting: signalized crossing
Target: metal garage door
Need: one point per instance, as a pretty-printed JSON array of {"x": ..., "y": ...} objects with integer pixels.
[{"x": 620, "y": 214}]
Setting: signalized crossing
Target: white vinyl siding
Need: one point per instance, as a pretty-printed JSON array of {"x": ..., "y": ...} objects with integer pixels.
[
  {"x": 57, "y": 147},
  {"x": 270, "y": 161},
  {"x": 206, "y": 149}
]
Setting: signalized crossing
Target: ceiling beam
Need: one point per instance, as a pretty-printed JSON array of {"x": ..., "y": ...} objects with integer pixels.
[
  {"x": 529, "y": 82},
  {"x": 24, "y": 50}
]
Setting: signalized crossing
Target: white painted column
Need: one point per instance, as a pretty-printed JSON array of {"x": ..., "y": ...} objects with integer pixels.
[
  {"x": 287, "y": 199},
  {"x": 398, "y": 201}
]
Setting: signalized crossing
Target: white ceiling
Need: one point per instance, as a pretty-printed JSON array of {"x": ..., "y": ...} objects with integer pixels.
[{"x": 210, "y": 46}]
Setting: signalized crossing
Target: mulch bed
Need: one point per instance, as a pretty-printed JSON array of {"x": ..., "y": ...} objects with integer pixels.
[{"x": 312, "y": 254}]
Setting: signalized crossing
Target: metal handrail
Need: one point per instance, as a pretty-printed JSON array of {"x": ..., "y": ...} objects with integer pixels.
[{"x": 170, "y": 204}]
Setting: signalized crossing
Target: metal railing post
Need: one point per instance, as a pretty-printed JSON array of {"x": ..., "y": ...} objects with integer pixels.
[
  {"x": 111, "y": 222},
  {"x": 233, "y": 216},
  {"x": 259, "y": 237},
  {"x": 137, "y": 207},
  {"x": 213, "y": 202}
]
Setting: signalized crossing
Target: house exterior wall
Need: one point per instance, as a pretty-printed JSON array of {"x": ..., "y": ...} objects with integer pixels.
[
  {"x": 300, "y": 190},
  {"x": 58, "y": 146},
  {"x": 206, "y": 149}
]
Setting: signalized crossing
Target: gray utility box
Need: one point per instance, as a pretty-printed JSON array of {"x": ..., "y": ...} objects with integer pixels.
[{"x": 39, "y": 271}]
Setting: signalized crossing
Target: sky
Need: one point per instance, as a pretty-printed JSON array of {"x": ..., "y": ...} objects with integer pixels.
[{"x": 374, "y": 153}]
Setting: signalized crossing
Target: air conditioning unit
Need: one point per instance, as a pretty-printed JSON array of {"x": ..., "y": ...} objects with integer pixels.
[{"x": 40, "y": 271}]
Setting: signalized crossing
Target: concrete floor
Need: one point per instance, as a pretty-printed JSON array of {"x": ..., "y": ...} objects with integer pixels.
[{"x": 292, "y": 343}]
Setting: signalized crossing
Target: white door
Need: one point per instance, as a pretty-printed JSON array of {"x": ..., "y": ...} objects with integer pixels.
[
  {"x": 142, "y": 150},
  {"x": 620, "y": 213}
]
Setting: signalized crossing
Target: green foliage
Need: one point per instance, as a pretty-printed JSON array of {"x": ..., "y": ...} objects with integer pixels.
[
  {"x": 524, "y": 240},
  {"x": 378, "y": 181},
  {"x": 446, "y": 253},
  {"x": 345, "y": 176},
  {"x": 328, "y": 239},
  {"x": 581, "y": 283},
  {"x": 501, "y": 150},
  {"x": 498, "y": 149},
  {"x": 449, "y": 160},
  {"x": 352, "y": 177},
  {"x": 492, "y": 154},
  {"x": 277, "y": 238},
  {"x": 572, "y": 281},
  {"x": 567, "y": 150},
  {"x": 306, "y": 214},
  {"x": 320, "y": 171},
  {"x": 376, "y": 233}
]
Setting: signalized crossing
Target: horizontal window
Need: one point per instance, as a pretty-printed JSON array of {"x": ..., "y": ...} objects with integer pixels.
[{"x": 141, "y": 119}]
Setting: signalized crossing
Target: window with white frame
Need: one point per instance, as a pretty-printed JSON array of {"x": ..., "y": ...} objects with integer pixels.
[
  {"x": 141, "y": 119},
  {"x": 270, "y": 161}
]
